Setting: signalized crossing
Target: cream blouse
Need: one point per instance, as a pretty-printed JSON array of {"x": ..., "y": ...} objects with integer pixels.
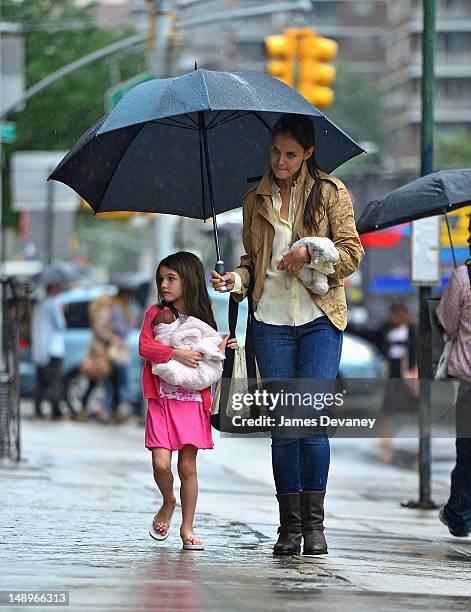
[{"x": 284, "y": 300}]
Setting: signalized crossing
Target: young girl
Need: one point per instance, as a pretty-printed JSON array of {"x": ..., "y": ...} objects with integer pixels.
[{"x": 177, "y": 419}]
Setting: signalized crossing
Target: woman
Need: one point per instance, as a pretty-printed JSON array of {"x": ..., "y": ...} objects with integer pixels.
[
  {"x": 105, "y": 357},
  {"x": 122, "y": 324},
  {"x": 398, "y": 340},
  {"x": 454, "y": 313},
  {"x": 297, "y": 333}
]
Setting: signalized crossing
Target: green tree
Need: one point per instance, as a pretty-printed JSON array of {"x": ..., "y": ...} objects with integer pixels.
[
  {"x": 56, "y": 33},
  {"x": 454, "y": 152}
]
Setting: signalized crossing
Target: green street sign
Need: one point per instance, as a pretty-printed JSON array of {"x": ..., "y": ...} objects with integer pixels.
[
  {"x": 114, "y": 94},
  {"x": 8, "y": 131}
]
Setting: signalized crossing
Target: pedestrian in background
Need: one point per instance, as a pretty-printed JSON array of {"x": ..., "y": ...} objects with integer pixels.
[
  {"x": 122, "y": 323},
  {"x": 454, "y": 313},
  {"x": 48, "y": 349},
  {"x": 398, "y": 342},
  {"x": 106, "y": 355},
  {"x": 178, "y": 419},
  {"x": 297, "y": 333}
]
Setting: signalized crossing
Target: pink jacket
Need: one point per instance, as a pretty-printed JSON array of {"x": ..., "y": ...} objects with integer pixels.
[
  {"x": 454, "y": 313},
  {"x": 153, "y": 351}
]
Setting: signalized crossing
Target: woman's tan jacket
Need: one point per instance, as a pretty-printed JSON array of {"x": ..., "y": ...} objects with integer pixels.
[{"x": 338, "y": 224}]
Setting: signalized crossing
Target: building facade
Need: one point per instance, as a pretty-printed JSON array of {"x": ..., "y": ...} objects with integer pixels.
[
  {"x": 379, "y": 38},
  {"x": 402, "y": 80}
]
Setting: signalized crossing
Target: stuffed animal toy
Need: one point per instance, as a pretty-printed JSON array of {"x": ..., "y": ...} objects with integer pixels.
[
  {"x": 323, "y": 256},
  {"x": 164, "y": 315},
  {"x": 188, "y": 333}
]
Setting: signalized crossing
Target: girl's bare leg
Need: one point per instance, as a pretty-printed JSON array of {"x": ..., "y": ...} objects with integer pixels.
[
  {"x": 385, "y": 444},
  {"x": 162, "y": 466},
  {"x": 188, "y": 492}
]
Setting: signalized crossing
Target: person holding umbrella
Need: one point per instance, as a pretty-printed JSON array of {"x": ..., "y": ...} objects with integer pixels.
[
  {"x": 454, "y": 313},
  {"x": 297, "y": 333}
]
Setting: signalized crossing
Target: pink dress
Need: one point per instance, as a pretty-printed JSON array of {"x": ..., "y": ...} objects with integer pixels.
[{"x": 177, "y": 419}]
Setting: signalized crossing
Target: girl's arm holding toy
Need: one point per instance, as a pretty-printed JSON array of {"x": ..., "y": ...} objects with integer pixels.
[{"x": 150, "y": 350}]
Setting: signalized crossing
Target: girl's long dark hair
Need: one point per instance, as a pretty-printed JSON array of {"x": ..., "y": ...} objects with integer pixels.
[
  {"x": 301, "y": 128},
  {"x": 195, "y": 291}
]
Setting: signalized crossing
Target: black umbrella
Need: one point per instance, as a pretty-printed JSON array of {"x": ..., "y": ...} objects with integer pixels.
[
  {"x": 433, "y": 194},
  {"x": 187, "y": 145}
]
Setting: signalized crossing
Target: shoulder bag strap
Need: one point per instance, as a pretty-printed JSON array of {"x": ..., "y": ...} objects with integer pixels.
[
  {"x": 230, "y": 354},
  {"x": 233, "y": 314},
  {"x": 249, "y": 343},
  {"x": 249, "y": 351}
]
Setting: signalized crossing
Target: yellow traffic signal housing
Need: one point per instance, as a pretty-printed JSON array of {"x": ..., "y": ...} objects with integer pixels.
[
  {"x": 281, "y": 49},
  {"x": 322, "y": 97},
  {"x": 299, "y": 58},
  {"x": 326, "y": 49},
  {"x": 318, "y": 72},
  {"x": 315, "y": 74},
  {"x": 281, "y": 46},
  {"x": 316, "y": 47},
  {"x": 282, "y": 70}
]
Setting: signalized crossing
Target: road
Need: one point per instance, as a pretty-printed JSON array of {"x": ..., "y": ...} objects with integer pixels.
[{"x": 76, "y": 512}]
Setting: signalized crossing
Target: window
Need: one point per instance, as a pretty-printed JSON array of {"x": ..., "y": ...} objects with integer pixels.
[{"x": 362, "y": 9}]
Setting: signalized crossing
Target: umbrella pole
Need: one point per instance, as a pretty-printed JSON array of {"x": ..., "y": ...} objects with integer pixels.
[
  {"x": 425, "y": 501},
  {"x": 219, "y": 267},
  {"x": 450, "y": 239}
]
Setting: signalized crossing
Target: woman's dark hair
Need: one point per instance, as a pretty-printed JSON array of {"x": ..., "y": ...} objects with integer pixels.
[
  {"x": 195, "y": 292},
  {"x": 301, "y": 128}
]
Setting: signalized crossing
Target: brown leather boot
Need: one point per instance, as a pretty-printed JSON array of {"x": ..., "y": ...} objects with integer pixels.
[
  {"x": 289, "y": 531},
  {"x": 312, "y": 522}
]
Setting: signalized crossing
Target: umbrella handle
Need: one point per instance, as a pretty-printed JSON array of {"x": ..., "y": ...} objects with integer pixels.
[
  {"x": 450, "y": 239},
  {"x": 220, "y": 269}
]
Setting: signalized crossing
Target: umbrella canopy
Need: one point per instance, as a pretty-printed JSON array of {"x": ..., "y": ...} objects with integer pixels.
[
  {"x": 61, "y": 274},
  {"x": 171, "y": 143},
  {"x": 433, "y": 194}
]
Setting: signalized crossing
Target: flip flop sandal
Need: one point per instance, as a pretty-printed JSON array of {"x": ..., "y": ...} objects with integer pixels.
[
  {"x": 188, "y": 546},
  {"x": 156, "y": 535}
]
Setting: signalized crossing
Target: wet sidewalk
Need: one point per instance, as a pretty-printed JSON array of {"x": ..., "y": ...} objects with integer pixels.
[{"x": 76, "y": 511}]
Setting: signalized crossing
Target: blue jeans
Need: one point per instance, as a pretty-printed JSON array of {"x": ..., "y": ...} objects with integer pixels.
[
  {"x": 117, "y": 387},
  {"x": 307, "y": 351},
  {"x": 458, "y": 508}
]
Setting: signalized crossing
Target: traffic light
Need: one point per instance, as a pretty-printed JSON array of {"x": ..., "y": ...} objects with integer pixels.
[
  {"x": 315, "y": 73},
  {"x": 299, "y": 58},
  {"x": 282, "y": 49}
]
